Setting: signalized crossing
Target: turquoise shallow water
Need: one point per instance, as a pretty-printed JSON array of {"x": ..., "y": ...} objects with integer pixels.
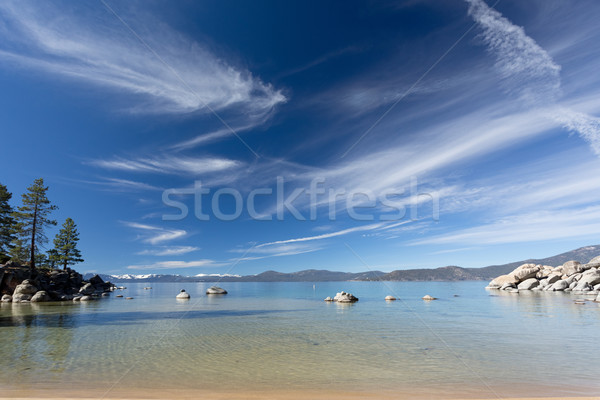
[{"x": 275, "y": 336}]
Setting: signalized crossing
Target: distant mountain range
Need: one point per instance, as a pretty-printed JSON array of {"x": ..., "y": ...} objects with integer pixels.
[{"x": 450, "y": 273}]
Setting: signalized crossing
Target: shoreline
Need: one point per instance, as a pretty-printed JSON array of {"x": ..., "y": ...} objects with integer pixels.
[
  {"x": 274, "y": 395},
  {"x": 446, "y": 392}
]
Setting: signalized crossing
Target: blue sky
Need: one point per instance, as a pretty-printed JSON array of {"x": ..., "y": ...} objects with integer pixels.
[{"x": 429, "y": 133}]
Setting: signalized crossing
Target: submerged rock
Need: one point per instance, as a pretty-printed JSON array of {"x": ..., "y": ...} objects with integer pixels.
[
  {"x": 183, "y": 295},
  {"x": 215, "y": 290}
]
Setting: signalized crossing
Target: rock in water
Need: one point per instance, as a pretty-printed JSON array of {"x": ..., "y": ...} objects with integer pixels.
[
  {"x": 215, "y": 290},
  {"x": 525, "y": 271},
  {"x": 347, "y": 298},
  {"x": 328, "y": 298},
  {"x": 501, "y": 280},
  {"x": 128, "y": 298},
  {"x": 559, "y": 286},
  {"x": 86, "y": 298},
  {"x": 390, "y": 298},
  {"x": 571, "y": 267},
  {"x": 87, "y": 289},
  {"x": 119, "y": 295},
  {"x": 528, "y": 284},
  {"x": 183, "y": 295},
  {"x": 18, "y": 297},
  {"x": 40, "y": 296},
  {"x": 25, "y": 288},
  {"x": 428, "y": 297},
  {"x": 7, "y": 298}
]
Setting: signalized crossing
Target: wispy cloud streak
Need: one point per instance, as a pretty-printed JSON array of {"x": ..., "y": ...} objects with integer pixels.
[
  {"x": 87, "y": 43},
  {"x": 529, "y": 71}
]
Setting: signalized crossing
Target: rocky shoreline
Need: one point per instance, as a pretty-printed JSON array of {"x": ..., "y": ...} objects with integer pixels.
[
  {"x": 18, "y": 284},
  {"x": 572, "y": 276}
]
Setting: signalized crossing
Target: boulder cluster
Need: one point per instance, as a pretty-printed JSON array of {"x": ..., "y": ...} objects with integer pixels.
[
  {"x": 343, "y": 297},
  {"x": 20, "y": 285},
  {"x": 572, "y": 276}
]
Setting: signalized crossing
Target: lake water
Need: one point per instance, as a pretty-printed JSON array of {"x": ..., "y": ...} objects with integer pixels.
[{"x": 283, "y": 336}]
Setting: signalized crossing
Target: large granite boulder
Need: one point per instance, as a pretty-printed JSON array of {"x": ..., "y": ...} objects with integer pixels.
[
  {"x": 183, "y": 295},
  {"x": 559, "y": 286},
  {"x": 501, "y": 280},
  {"x": 588, "y": 279},
  {"x": 553, "y": 278},
  {"x": 19, "y": 297},
  {"x": 528, "y": 284},
  {"x": 25, "y": 288},
  {"x": 40, "y": 296},
  {"x": 508, "y": 286},
  {"x": 215, "y": 290},
  {"x": 594, "y": 262},
  {"x": 87, "y": 289},
  {"x": 525, "y": 271},
  {"x": 344, "y": 297},
  {"x": 571, "y": 267}
]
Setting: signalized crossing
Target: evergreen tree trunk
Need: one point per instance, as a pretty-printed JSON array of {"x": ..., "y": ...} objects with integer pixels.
[{"x": 32, "y": 262}]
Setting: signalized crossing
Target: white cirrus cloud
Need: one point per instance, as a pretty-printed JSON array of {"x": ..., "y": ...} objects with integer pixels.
[
  {"x": 529, "y": 71},
  {"x": 155, "y": 234},
  {"x": 167, "y": 164},
  {"x": 168, "y": 72},
  {"x": 169, "y": 251}
]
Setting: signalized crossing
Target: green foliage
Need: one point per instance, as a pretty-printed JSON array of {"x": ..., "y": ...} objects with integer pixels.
[
  {"x": 65, "y": 245},
  {"x": 7, "y": 222},
  {"x": 33, "y": 217},
  {"x": 19, "y": 250}
]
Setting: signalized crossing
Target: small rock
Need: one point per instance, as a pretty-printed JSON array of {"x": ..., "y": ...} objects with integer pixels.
[
  {"x": 7, "y": 298},
  {"x": 328, "y": 298},
  {"x": 183, "y": 295},
  {"x": 86, "y": 298},
  {"x": 215, "y": 290},
  {"x": 77, "y": 298},
  {"x": 119, "y": 295},
  {"x": 428, "y": 297},
  {"x": 147, "y": 288},
  {"x": 105, "y": 294},
  {"x": 128, "y": 298},
  {"x": 390, "y": 298}
]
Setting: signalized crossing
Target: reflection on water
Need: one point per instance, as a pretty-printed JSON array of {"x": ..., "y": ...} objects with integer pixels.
[{"x": 283, "y": 336}]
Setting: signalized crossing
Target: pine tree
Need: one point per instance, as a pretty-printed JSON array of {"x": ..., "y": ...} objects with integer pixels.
[
  {"x": 65, "y": 245},
  {"x": 19, "y": 251},
  {"x": 7, "y": 223},
  {"x": 33, "y": 218}
]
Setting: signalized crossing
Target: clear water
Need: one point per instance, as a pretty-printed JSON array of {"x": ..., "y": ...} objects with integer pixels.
[{"x": 283, "y": 336}]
